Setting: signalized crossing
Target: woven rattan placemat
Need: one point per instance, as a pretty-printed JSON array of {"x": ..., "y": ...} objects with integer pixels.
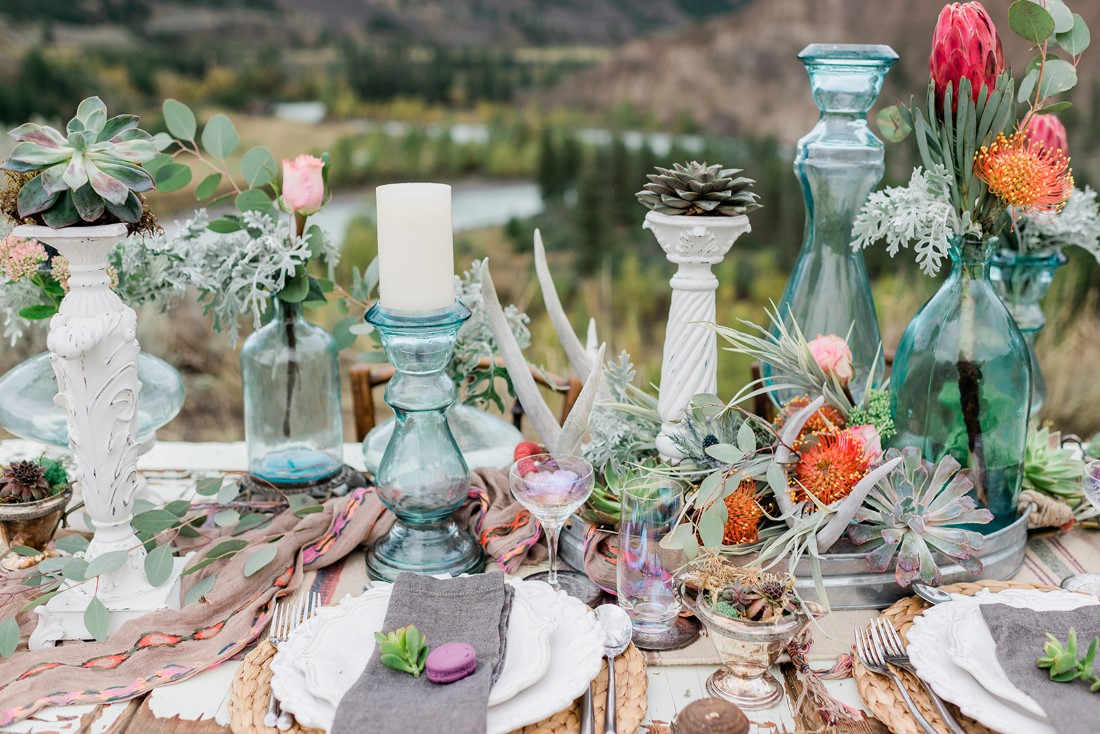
[
  {"x": 252, "y": 685},
  {"x": 881, "y": 695}
]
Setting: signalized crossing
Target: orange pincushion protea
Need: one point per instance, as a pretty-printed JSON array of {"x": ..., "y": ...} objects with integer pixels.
[
  {"x": 1025, "y": 174},
  {"x": 826, "y": 421},
  {"x": 743, "y": 524},
  {"x": 830, "y": 468}
]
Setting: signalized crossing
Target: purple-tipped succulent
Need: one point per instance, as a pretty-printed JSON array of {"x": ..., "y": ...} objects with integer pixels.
[
  {"x": 23, "y": 481},
  {"x": 912, "y": 513}
]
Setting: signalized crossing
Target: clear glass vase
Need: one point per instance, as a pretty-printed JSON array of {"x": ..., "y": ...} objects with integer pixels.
[
  {"x": 958, "y": 377},
  {"x": 1022, "y": 281},
  {"x": 838, "y": 163},
  {"x": 292, "y": 420}
]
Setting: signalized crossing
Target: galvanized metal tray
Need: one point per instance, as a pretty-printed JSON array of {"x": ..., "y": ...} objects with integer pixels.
[{"x": 848, "y": 584}]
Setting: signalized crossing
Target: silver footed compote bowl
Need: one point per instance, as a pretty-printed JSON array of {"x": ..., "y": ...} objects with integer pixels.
[{"x": 552, "y": 487}]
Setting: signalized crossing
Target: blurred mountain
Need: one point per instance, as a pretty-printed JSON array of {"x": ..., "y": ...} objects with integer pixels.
[
  {"x": 739, "y": 74},
  {"x": 435, "y": 22}
]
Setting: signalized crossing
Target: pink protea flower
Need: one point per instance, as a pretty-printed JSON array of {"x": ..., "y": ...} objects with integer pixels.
[
  {"x": 20, "y": 257},
  {"x": 1048, "y": 130},
  {"x": 965, "y": 45},
  {"x": 833, "y": 356}
]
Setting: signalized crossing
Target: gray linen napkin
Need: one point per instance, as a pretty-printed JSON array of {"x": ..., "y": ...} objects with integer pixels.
[
  {"x": 1020, "y": 634},
  {"x": 471, "y": 609}
]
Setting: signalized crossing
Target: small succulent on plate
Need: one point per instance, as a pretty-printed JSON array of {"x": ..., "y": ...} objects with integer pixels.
[
  {"x": 912, "y": 512},
  {"x": 404, "y": 649},
  {"x": 697, "y": 190},
  {"x": 90, "y": 174},
  {"x": 1063, "y": 663}
]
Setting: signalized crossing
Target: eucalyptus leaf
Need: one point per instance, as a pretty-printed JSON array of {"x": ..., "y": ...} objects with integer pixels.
[
  {"x": 712, "y": 524},
  {"x": 106, "y": 563},
  {"x": 38, "y": 312},
  {"x": 263, "y": 556},
  {"x": 75, "y": 570},
  {"x": 1055, "y": 108},
  {"x": 198, "y": 589},
  {"x": 1027, "y": 86},
  {"x": 72, "y": 544},
  {"x": 725, "y": 453},
  {"x": 258, "y": 167},
  {"x": 1060, "y": 12},
  {"x": 209, "y": 486},
  {"x": 254, "y": 200},
  {"x": 226, "y": 548},
  {"x": 1059, "y": 76},
  {"x": 228, "y": 492},
  {"x": 179, "y": 119},
  {"x": 342, "y": 333},
  {"x": 219, "y": 137},
  {"x": 172, "y": 177},
  {"x": 1076, "y": 40},
  {"x": 95, "y": 619},
  {"x": 249, "y": 521},
  {"x": 224, "y": 226},
  {"x": 22, "y": 550},
  {"x": 154, "y": 521},
  {"x": 158, "y": 565},
  {"x": 225, "y": 518},
  {"x": 178, "y": 508},
  {"x": 777, "y": 478},
  {"x": 1030, "y": 21},
  {"x": 208, "y": 186},
  {"x": 746, "y": 438},
  {"x": 9, "y": 637},
  {"x": 892, "y": 124}
]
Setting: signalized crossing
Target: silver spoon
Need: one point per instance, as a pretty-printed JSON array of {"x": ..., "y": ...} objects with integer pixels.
[
  {"x": 616, "y": 638},
  {"x": 931, "y": 594}
]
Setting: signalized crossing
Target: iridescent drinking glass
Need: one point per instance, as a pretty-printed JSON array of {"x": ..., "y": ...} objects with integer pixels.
[
  {"x": 646, "y": 572},
  {"x": 552, "y": 487}
]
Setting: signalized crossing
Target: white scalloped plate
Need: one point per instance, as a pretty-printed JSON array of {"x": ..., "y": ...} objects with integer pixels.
[
  {"x": 949, "y": 669},
  {"x": 553, "y": 640}
]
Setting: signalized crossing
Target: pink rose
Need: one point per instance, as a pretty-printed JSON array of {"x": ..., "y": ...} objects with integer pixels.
[
  {"x": 833, "y": 357},
  {"x": 867, "y": 437},
  {"x": 303, "y": 186}
]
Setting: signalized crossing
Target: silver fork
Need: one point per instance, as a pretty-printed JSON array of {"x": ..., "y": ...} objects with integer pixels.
[
  {"x": 283, "y": 621},
  {"x": 872, "y": 658},
  {"x": 896, "y": 655}
]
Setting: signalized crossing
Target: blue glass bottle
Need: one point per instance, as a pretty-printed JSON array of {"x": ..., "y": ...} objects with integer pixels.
[
  {"x": 1022, "y": 280},
  {"x": 838, "y": 163},
  {"x": 292, "y": 419},
  {"x": 961, "y": 379}
]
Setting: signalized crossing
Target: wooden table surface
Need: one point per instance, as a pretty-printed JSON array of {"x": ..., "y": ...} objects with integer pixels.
[{"x": 200, "y": 704}]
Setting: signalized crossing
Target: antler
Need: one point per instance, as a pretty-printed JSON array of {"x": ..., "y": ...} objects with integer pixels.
[
  {"x": 574, "y": 350},
  {"x": 542, "y": 418},
  {"x": 557, "y": 439},
  {"x": 836, "y": 526}
]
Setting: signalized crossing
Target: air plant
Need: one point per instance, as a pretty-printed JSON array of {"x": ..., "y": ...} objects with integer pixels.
[
  {"x": 912, "y": 513},
  {"x": 91, "y": 174}
]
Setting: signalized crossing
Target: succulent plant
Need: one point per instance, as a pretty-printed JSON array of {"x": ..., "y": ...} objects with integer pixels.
[
  {"x": 23, "y": 481},
  {"x": 404, "y": 649},
  {"x": 1049, "y": 468},
  {"x": 603, "y": 506},
  {"x": 696, "y": 189},
  {"x": 911, "y": 514},
  {"x": 768, "y": 597},
  {"x": 1063, "y": 664},
  {"x": 90, "y": 174}
]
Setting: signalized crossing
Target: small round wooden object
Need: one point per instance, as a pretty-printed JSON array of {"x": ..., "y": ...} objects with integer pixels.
[{"x": 710, "y": 716}]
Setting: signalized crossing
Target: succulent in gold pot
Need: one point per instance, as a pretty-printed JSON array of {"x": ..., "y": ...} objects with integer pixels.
[{"x": 33, "y": 497}]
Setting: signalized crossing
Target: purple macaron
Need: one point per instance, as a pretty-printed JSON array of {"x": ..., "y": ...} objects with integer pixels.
[{"x": 450, "y": 662}]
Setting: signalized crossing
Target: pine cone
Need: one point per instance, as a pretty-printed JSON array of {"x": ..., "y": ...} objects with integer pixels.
[{"x": 696, "y": 189}]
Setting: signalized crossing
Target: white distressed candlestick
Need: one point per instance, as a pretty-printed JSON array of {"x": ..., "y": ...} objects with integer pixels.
[
  {"x": 689, "y": 365},
  {"x": 93, "y": 349},
  {"x": 416, "y": 261}
]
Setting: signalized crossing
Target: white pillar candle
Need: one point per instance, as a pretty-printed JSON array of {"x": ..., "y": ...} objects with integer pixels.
[{"x": 416, "y": 259}]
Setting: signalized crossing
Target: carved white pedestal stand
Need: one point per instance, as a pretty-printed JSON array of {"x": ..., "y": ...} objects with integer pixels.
[
  {"x": 690, "y": 362},
  {"x": 93, "y": 348}
]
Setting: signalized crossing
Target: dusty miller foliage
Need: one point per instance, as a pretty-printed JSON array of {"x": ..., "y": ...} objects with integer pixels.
[
  {"x": 619, "y": 435},
  {"x": 238, "y": 273},
  {"x": 475, "y": 342},
  {"x": 920, "y": 213},
  {"x": 1077, "y": 225}
]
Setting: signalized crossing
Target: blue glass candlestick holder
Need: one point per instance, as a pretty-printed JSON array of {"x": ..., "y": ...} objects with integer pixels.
[{"x": 422, "y": 477}]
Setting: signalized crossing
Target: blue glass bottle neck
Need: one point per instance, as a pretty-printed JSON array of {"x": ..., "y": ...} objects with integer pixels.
[{"x": 971, "y": 256}]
